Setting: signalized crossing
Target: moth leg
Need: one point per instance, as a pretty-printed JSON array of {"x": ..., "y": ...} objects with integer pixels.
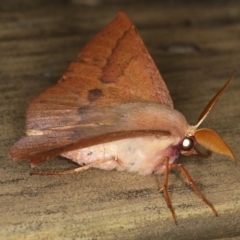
[
  {"x": 165, "y": 186},
  {"x": 75, "y": 170},
  {"x": 192, "y": 184},
  {"x": 160, "y": 190}
]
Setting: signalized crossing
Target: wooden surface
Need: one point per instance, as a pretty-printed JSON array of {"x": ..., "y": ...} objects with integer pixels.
[{"x": 196, "y": 48}]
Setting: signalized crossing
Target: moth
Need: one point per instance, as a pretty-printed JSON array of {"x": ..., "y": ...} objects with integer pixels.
[{"x": 112, "y": 110}]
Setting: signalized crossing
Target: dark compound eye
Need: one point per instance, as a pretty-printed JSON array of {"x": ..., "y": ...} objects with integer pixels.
[{"x": 187, "y": 144}]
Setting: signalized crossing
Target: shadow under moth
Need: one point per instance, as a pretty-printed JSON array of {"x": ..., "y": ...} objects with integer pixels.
[{"x": 112, "y": 110}]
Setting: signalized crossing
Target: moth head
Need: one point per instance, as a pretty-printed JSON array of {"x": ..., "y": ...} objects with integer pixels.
[{"x": 207, "y": 138}]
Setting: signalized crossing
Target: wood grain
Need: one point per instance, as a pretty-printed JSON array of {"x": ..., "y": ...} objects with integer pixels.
[{"x": 196, "y": 48}]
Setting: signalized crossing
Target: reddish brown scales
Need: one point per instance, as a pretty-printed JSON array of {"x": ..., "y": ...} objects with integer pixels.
[
  {"x": 104, "y": 70},
  {"x": 113, "y": 60}
]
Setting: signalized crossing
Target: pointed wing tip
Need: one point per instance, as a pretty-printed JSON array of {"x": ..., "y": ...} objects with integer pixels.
[
  {"x": 16, "y": 151},
  {"x": 123, "y": 17},
  {"x": 122, "y": 14},
  {"x": 12, "y": 152}
]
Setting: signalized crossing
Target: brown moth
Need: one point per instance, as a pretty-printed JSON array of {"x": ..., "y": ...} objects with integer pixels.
[{"x": 112, "y": 110}]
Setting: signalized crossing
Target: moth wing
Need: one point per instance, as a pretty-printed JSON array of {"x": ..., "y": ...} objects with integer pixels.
[
  {"x": 88, "y": 126},
  {"x": 113, "y": 68}
]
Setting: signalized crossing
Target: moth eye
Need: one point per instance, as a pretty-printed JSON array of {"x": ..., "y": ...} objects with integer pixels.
[{"x": 187, "y": 144}]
